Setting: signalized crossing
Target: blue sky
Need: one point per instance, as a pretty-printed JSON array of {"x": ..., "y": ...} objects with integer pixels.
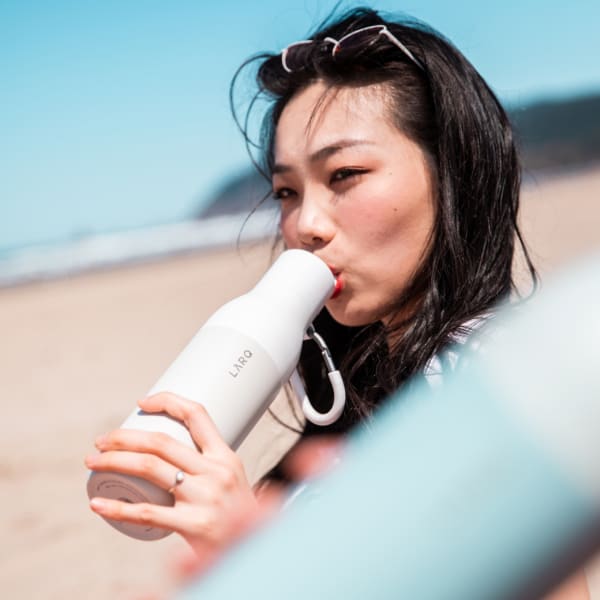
[{"x": 115, "y": 113}]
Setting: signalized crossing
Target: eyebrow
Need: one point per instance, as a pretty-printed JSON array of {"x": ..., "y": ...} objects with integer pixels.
[{"x": 324, "y": 153}]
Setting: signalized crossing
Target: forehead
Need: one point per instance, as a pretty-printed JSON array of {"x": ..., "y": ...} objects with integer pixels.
[{"x": 319, "y": 115}]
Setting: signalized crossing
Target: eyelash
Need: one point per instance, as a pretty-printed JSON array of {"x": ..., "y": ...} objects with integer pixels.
[
  {"x": 346, "y": 173},
  {"x": 282, "y": 194},
  {"x": 338, "y": 176}
]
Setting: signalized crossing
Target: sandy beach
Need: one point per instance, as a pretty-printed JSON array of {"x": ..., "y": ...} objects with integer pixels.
[{"x": 77, "y": 352}]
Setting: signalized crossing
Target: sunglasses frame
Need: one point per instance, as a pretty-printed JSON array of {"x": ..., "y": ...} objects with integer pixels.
[{"x": 337, "y": 45}]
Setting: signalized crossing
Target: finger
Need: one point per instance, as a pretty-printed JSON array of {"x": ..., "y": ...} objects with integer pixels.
[
  {"x": 189, "y": 521},
  {"x": 193, "y": 415},
  {"x": 211, "y": 480},
  {"x": 147, "y": 466},
  {"x": 141, "y": 513},
  {"x": 152, "y": 442}
]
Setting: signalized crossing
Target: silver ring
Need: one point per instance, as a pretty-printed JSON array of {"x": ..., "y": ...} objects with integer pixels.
[{"x": 179, "y": 479}]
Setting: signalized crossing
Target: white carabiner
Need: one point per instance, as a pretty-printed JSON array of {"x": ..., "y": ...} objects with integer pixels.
[{"x": 337, "y": 385}]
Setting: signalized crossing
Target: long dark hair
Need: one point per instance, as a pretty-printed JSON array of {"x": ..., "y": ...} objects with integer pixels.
[{"x": 445, "y": 106}]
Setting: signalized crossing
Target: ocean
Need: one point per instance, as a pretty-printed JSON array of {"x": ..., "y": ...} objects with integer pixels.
[{"x": 100, "y": 251}]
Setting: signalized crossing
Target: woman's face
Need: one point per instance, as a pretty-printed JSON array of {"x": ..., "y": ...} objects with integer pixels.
[{"x": 357, "y": 193}]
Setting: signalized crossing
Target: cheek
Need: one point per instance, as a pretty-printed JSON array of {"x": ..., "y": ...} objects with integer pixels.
[
  {"x": 287, "y": 226},
  {"x": 372, "y": 225},
  {"x": 399, "y": 216}
]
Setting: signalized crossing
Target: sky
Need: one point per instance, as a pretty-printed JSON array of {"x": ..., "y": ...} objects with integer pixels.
[{"x": 115, "y": 113}]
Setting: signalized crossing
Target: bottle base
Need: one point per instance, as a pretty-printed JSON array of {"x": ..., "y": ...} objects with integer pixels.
[{"x": 131, "y": 489}]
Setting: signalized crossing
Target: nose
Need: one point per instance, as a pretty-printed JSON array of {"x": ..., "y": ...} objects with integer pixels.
[{"x": 315, "y": 226}]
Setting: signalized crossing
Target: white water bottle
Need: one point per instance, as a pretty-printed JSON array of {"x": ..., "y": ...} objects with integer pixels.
[{"x": 234, "y": 366}]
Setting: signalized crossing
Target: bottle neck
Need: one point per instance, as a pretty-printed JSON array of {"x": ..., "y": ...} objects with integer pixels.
[{"x": 299, "y": 284}]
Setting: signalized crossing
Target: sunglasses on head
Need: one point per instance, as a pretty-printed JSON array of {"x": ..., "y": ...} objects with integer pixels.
[{"x": 292, "y": 57}]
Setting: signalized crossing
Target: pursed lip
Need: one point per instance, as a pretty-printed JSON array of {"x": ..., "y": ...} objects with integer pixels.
[
  {"x": 339, "y": 284},
  {"x": 333, "y": 269}
]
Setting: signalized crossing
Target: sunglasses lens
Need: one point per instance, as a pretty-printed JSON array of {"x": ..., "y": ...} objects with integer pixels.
[{"x": 358, "y": 40}]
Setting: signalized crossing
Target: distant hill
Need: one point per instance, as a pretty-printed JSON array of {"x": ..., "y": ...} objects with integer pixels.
[
  {"x": 240, "y": 194},
  {"x": 552, "y": 135},
  {"x": 559, "y": 135}
]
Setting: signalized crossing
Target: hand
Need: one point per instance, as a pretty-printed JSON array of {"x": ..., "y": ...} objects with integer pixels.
[
  {"x": 310, "y": 458},
  {"x": 211, "y": 502}
]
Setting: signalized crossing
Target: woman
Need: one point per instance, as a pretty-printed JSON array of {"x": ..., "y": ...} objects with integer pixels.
[{"x": 393, "y": 161}]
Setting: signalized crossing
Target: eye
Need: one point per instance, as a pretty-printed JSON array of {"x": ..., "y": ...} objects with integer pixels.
[
  {"x": 283, "y": 193},
  {"x": 345, "y": 174}
]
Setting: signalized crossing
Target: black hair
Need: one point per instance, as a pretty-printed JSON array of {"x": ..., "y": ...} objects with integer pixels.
[{"x": 445, "y": 106}]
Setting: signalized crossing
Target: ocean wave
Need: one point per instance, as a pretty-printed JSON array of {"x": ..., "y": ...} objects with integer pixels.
[{"x": 49, "y": 261}]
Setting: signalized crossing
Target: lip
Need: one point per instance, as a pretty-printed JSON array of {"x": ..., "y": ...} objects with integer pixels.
[{"x": 339, "y": 284}]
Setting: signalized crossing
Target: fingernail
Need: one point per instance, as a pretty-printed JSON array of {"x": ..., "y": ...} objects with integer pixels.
[
  {"x": 98, "y": 504},
  {"x": 100, "y": 441},
  {"x": 90, "y": 461}
]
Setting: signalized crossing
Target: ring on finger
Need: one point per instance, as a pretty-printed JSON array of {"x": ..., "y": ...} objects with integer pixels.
[{"x": 179, "y": 479}]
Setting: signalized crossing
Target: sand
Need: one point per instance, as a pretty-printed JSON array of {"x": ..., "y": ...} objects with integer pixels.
[{"x": 76, "y": 353}]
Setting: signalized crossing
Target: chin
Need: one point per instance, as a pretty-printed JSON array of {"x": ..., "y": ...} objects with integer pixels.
[{"x": 347, "y": 317}]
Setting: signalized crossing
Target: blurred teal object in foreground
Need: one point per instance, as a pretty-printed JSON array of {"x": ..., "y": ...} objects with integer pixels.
[{"x": 487, "y": 488}]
